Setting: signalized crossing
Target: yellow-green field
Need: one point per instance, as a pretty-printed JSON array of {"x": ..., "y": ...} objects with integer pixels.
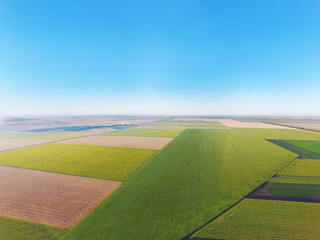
[
  {"x": 303, "y": 167},
  {"x": 114, "y": 163},
  {"x": 145, "y": 132},
  {"x": 14, "y": 229},
  {"x": 266, "y": 219}
]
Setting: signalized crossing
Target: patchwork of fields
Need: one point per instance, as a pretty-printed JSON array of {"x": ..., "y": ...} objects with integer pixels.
[
  {"x": 170, "y": 188},
  {"x": 188, "y": 183}
]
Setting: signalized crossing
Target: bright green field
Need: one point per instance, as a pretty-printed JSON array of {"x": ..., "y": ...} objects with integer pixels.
[
  {"x": 266, "y": 219},
  {"x": 146, "y": 132},
  {"x": 193, "y": 179},
  {"x": 296, "y": 179},
  {"x": 187, "y": 124},
  {"x": 313, "y": 146},
  {"x": 115, "y": 163},
  {"x": 13, "y": 229},
  {"x": 46, "y": 136},
  {"x": 303, "y": 167}
]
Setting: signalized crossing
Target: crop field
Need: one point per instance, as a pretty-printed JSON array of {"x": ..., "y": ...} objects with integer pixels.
[
  {"x": 146, "y": 132},
  {"x": 188, "y": 183},
  {"x": 50, "y": 198},
  {"x": 266, "y": 219},
  {"x": 13, "y": 229},
  {"x": 113, "y": 163},
  {"x": 289, "y": 192},
  {"x": 45, "y": 136},
  {"x": 303, "y": 167},
  {"x": 155, "y": 143},
  {"x": 307, "y": 149},
  {"x": 296, "y": 179},
  {"x": 188, "y": 124},
  {"x": 8, "y": 144}
]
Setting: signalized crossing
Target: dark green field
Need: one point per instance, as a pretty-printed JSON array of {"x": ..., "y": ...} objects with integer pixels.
[{"x": 289, "y": 192}]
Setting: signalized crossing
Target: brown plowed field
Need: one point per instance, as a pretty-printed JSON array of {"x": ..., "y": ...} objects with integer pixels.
[
  {"x": 8, "y": 144},
  {"x": 49, "y": 198},
  {"x": 156, "y": 143}
]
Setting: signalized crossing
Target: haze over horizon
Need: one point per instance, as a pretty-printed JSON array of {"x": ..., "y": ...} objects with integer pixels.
[{"x": 159, "y": 57}]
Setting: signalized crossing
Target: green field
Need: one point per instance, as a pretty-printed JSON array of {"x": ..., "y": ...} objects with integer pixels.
[
  {"x": 291, "y": 190},
  {"x": 296, "y": 179},
  {"x": 193, "y": 179},
  {"x": 187, "y": 123},
  {"x": 266, "y": 219},
  {"x": 46, "y": 136},
  {"x": 146, "y": 132},
  {"x": 13, "y": 229},
  {"x": 307, "y": 149},
  {"x": 114, "y": 163},
  {"x": 303, "y": 167}
]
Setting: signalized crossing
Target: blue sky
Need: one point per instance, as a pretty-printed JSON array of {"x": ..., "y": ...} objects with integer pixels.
[{"x": 208, "y": 57}]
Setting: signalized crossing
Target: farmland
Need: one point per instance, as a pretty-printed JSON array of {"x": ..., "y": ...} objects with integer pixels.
[
  {"x": 113, "y": 163},
  {"x": 122, "y": 141},
  {"x": 45, "y": 135},
  {"x": 13, "y": 229},
  {"x": 146, "y": 132},
  {"x": 296, "y": 179},
  {"x": 307, "y": 149},
  {"x": 191, "y": 124},
  {"x": 303, "y": 167},
  {"x": 189, "y": 182},
  {"x": 266, "y": 219}
]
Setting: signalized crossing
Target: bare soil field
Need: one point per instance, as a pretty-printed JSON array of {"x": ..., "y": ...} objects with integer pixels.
[
  {"x": 8, "y": 144},
  {"x": 156, "y": 143},
  {"x": 49, "y": 198},
  {"x": 238, "y": 124}
]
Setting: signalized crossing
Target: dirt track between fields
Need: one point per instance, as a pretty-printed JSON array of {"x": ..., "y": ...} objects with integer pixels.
[
  {"x": 156, "y": 143},
  {"x": 49, "y": 198}
]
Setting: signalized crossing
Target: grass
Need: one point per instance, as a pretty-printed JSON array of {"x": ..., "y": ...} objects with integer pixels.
[
  {"x": 194, "y": 178},
  {"x": 307, "y": 149},
  {"x": 114, "y": 163},
  {"x": 13, "y": 229},
  {"x": 303, "y": 167},
  {"x": 266, "y": 219},
  {"x": 296, "y": 179},
  {"x": 46, "y": 136},
  {"x": 187, "y": 123},
  {"x": 146, "y": 132}
]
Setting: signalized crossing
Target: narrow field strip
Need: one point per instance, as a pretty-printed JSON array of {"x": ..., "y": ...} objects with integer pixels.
[
  {"x": 146, "y": 132},
  {"x": 155, "y": 143},
  {"x": 49, "y": 198},
  {"x": 105, "y": 162}
]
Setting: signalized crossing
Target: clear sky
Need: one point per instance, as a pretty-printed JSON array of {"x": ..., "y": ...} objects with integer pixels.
[{"x": 160, "y": 57}]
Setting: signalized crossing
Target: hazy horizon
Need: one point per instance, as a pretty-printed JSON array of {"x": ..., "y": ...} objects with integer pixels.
[{"x": 231, "y": 58}]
